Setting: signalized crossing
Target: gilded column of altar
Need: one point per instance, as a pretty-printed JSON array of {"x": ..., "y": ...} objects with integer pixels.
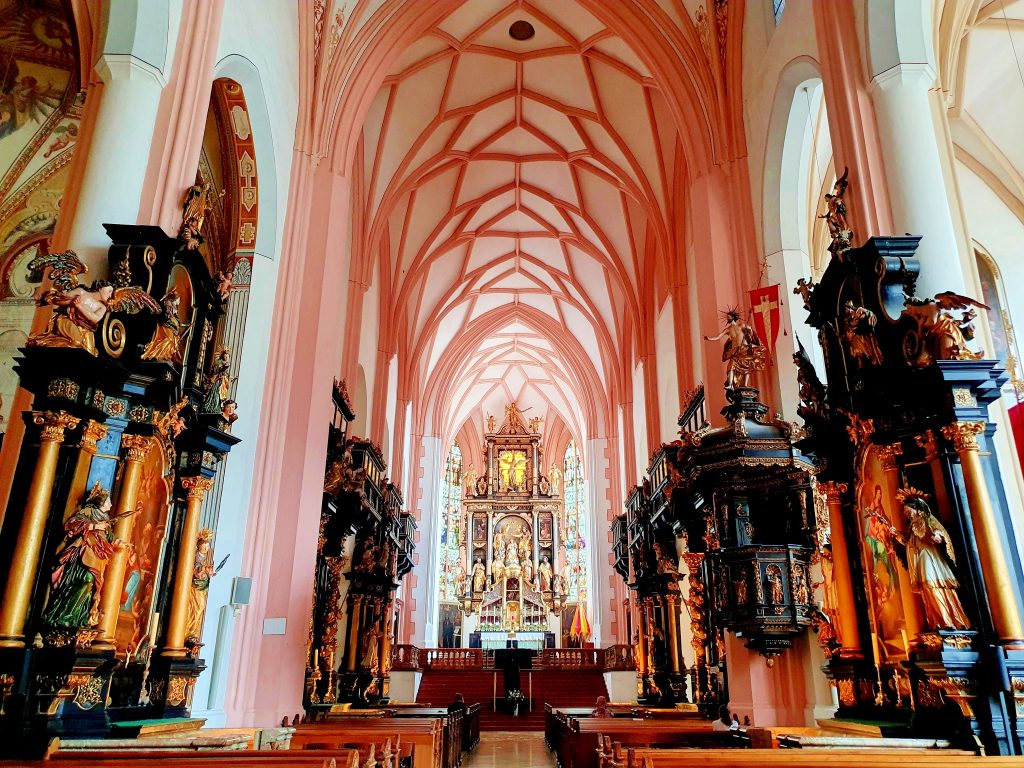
[
  {"x": 641, "y": 658},
  {"x": 913, "y": 610},
  {"x": 136, "y": 449},
  {"x": 25, "y": 561},
  {"x": 695, "y": 606},
  {"x": 195, "y": 489},
  {"x": 92, "y": 433},
  {"x": 352, "y": 639},
  {"x": 385, "y": 638},
  {"x": 998, "y": 581},
  {"x": 849, "y": 631},
  {"x": 672, "y": 606}
]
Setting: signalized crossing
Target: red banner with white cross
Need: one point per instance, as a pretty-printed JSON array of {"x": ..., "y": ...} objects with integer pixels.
[{"x": 764, "y": 303}]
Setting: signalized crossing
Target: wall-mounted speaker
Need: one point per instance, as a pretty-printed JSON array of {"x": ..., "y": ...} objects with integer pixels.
[{"x": 241, "y": 588}]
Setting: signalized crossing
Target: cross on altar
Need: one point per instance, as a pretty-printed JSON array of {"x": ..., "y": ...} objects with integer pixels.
[{"x": 764, "y": 309}]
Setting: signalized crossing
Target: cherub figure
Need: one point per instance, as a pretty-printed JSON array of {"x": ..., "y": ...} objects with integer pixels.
[
  {"x": 223, "y": 284},
  {"x": 78, "y": 311},
  {"x": 942, "y": 336},
  {"x": 742, "y": 353},
  {"x": 803, "y": 289}
]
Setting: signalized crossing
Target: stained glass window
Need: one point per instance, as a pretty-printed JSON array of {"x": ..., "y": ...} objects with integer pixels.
[
  {"x": 451, "y": 522},
  {"x": 574, "y": 526}
]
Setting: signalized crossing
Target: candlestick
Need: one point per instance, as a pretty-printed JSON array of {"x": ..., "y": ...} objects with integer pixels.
[
  {"x": 316, "y": 658},
  {"x": 874, "y": 649},
  {"x": 906, "y": 643},
  {"x": 880, "y": 697},
  {"x": 330, "y": 663},
  {"x": 153, "y": 629}
]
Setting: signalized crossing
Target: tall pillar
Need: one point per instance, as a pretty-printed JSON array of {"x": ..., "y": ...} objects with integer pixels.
[
  {"x": 195, "y": 489},
  {"x": 998, "y": 580},
  {"x": 136, "y": 449},
  {"x": 913, "y": 610},
  {"x": 25, "y": 561},
  {"x": 118, "y": 154},
  {"x": 849, "y": 630},
  {"x": 914, "y": 171}
]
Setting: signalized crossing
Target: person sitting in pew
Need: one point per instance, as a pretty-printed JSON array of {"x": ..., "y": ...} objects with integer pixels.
[
  {"x": 601, "y": 708},
  {"x": 725, "y": 721},
  {"x": 458, "y": 705}
]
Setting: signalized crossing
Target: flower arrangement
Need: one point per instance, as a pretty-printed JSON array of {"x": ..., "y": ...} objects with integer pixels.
[{"x": 515, "y": 697}]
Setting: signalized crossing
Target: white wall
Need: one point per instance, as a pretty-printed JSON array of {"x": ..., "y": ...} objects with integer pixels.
[{"x": 668, "y": 386}]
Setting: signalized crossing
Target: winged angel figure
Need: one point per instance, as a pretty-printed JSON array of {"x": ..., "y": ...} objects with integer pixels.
[
  {"x": 77, "y": 310},
  {"x": 944, "y": 337}
]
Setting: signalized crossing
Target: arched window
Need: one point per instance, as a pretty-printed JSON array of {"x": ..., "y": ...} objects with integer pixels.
[
  {"x": 451, "y": 523},
  {"x": 993, "y": 295},
  {"x": 574, "y": 527}
]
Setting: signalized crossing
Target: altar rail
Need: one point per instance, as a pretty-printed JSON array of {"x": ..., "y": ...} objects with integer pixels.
[{"x": 411, "y": 658}]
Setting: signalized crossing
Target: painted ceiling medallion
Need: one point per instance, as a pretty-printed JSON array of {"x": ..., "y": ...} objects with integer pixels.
[{"x": 521, "y": 30}]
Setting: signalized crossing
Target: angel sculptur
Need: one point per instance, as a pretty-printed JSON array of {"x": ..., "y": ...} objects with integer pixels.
[
  {"x": 78, "y": 311},
  {"x": 835, "y": 217},
  {"x": 943, "y": 337}
]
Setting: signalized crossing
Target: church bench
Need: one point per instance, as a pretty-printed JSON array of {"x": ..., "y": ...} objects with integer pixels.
[
  {"x": 126, "y": 758},
  {"x": 422, "y": 735},
  {"x": 578, "y": 738},
  {"x": 452, "y": 737},
  {"x": 828, "y": 758}
]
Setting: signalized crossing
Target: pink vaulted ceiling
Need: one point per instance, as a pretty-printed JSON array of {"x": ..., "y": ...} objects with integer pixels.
[{"x": 521, "y": 187}]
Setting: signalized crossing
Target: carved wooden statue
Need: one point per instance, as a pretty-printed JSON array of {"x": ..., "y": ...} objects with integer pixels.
[{"x": 743, "y": 353}]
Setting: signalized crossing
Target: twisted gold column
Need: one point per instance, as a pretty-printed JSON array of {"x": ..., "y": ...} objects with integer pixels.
[
  {"x": 385, "y": 640},
  {"x": 998, "y": 582},
  {"x": 195, "y": 488},
  {"x": 25, "y": 561},
  {"x": 849, "y": 630},
  {"x": 913, "y": 610},
  {"x": 136, "y": 449}
]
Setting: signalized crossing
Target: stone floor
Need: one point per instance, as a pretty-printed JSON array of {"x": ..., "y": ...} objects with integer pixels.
[{"x": 498, "y": 749}]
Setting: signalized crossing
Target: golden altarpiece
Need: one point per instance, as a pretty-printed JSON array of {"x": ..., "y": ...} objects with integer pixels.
[
  {"x": 103, "y": 602},
  {"x": 511, "y": 578}
]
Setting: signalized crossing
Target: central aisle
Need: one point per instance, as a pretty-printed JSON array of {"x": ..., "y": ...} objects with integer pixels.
[{"x": 507, "y": 749}]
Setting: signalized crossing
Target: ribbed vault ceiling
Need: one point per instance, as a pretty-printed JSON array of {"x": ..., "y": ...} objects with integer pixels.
[{"x": 517, "y": 195}]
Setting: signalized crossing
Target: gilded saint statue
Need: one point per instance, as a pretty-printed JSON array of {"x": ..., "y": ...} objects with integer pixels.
[
  {"x": 555, "y": 479},
  {"x": 859, "y": 333},
  {"x": 512, "y": 471},
  {"x": 469, "y": 480},
  {"x": 202, "y": 573},
  {"x": 77, "y": 310},
  {"x": 491, "y": 423},
  {"x": 218, "y": 383},
  {"x": 197, "y": 204},
  {"x": 742, "y": 353},
  {"x": 479, "y": 576},
  {"x": 544, "y": 575},
  {"x": 942, "y": 336},
  {"x": 930, "y": 559},
  {"x": 77, "y": 580},
  {"x": 497, "y": 570},
  {"x": 835, "y": 217},
  {"x": 166, "y": 342}
]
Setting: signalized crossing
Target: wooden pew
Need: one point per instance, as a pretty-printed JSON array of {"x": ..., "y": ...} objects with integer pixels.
[
  {"x": 578, "y": 737},
  {"x": 809, "y": 758},
  {"x": 452, "y": 724},
  {"x": 423, "y": 736},
  {"x": 124, "y": 758}
]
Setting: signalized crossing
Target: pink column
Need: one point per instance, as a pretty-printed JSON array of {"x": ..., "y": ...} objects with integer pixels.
[
  {"x": 724, "y": 265},
  {"x": 768, "y": 695},
  {"x": 267, "y": 670},
  {"x": 181, "y": 120},
  {"x": 851, "y": 118}
]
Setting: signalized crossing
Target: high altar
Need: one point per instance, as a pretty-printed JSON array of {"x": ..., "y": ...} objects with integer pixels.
[{"x": 513, "y": 577}]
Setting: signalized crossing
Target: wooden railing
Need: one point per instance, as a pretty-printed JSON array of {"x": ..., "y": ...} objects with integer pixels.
[
  {"x": 411, "y": 658},
  {"x": 618, "y": 658}
]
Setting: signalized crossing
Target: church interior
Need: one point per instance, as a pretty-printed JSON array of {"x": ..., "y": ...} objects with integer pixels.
[{"x": 574, "y": 383}]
